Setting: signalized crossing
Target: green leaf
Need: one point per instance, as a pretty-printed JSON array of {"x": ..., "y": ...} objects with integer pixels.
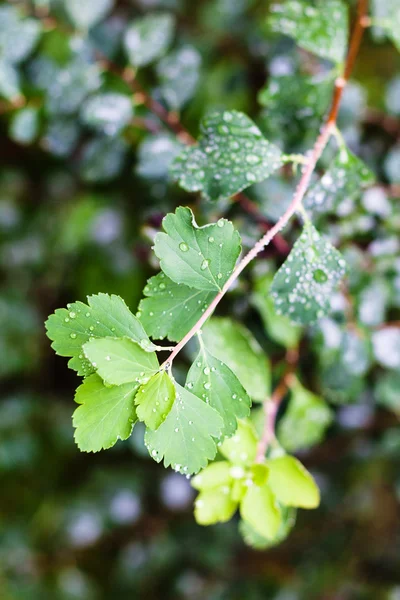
[
  {"x": 86, "y": 13},
  {"x": 215, "y": 475},
  {"x": 386, "y": 346},
  {"x": 321, "y": 29},
  {"x": 387, "y": 392},
  {"x": 200, "y": 257},
  {"x": 155, "y": 155},
  {"x": 171, "y": 310},
  {"x": 106, "y": 414},
  {"x": 18, "y": 35},
  {"x": 179, "y": 73},
  {"x": 235, "y": 346},
  {"x": 187, "y": 438},
  {"x": 102, "y": 159},
  {"x": 253, "y": 539},
  {"x": 104, "y": 316},
  {"x": 294, "y": 107},
  {"x": 279, "y": 327},
  {"x": 343, "y": 181},
  {"x": 154, "y": 400},
  {"x": 292, "y": 484},
  {"x": 24, "y": 126},
  {"x": 387, "y": 13},
  {"x": 231, "y": 155},
  {"x": 260, "y": 510},
  {"x": 241, "y": 449},
  {"x": 305, "y": 421},
  {"x": 214, "y": 506},
  {"x": 212, "y": 380},
  {"x": 303, "y": 286},
  {"x": 10, "y": 87},
  {"x": 120, "y": 360},
  {"x": 148, "y": 38},
  {"x": 107, "y": 113}
]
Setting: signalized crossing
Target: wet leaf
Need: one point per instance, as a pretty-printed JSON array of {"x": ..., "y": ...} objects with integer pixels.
[
  {"x": 154, "y": 400},
  {"x": 120, "y": 360},
  {"x": 104, "y": 316},
  {"x": 236, "y": 347},
  {"x": 214, "y": 382},
  {"x": 200, "y": 257},
  {"x": 147, "y": 38},
  {"x": 231, "y": 155},
  {"x": 86, "y": 13},
  {"x": 321, "y": 29},
  {"x": 108, "y": 113},
  {"x": 343, "y": 181},
  {"x": 170, "y": 310},
  {"x": 187, "y": 438},
  {"x": 303, "y": 286},
  {"x": 105, "y": 414},
  {"x": 179, "y": 73}
]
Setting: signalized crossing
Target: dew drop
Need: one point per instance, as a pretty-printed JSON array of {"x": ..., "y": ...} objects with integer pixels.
[
  {"x": 204, "y": 264},
  {"x": 73, "y": 336},
  {"x": 183, "y": 247},
  {"x": 320, "y": 276}
]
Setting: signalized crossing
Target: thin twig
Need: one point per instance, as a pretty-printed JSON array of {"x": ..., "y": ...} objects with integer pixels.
[
  {"x": 271, "y": 405},
  {"x": 308, "y": 171}
]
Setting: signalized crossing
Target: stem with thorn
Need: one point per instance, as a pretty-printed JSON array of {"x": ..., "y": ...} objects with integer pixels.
[{"x": 327, "y": 130}]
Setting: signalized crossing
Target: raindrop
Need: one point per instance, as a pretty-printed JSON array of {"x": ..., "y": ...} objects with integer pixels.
[{"x": 183, "y": 247}]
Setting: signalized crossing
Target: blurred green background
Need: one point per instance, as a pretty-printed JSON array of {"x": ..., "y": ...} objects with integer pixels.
[{"x": 78, "y": 212}]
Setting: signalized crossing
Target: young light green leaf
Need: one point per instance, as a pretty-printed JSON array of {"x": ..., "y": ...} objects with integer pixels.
[
  {"x": 214, "y": 506},
  {"x": 343, "y": 181},
  {"x": 104, "y": 316},
  {"x": 212, "y": 380},
  {"x": 292, "y": 484},
  {"x": 154, "y": 400},
  {"x": 305, "y": 421},
  {"x": 321, "y": 29},
  {"x": 148, "y": 38},
  {"x": 200, "y": 257},
  {"x": 303, "y": 286},
  {"x": 179, "y": 74},
  {"x": 253, "y": 539},
  {"x": 235, "y": 346},
  {"x": 120, "y": 360},
  {"x": 170, "y": 310},
  {"x": 107, "y": 113},
  {"x": 231, "y": 155},
  {"x": 86, "y": 13},
  {"x": 260, "y": 510},
  {"x": 215, "y": 475},
  {"x": 279, "y": 327},
  {"x": 187, "y": 438},
  {"x": 241, "y": 449},
  {"x": 106, "y": 414}
]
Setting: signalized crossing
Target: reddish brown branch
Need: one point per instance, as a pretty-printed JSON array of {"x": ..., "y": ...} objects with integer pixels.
[{"x": 271, "y": 405}]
